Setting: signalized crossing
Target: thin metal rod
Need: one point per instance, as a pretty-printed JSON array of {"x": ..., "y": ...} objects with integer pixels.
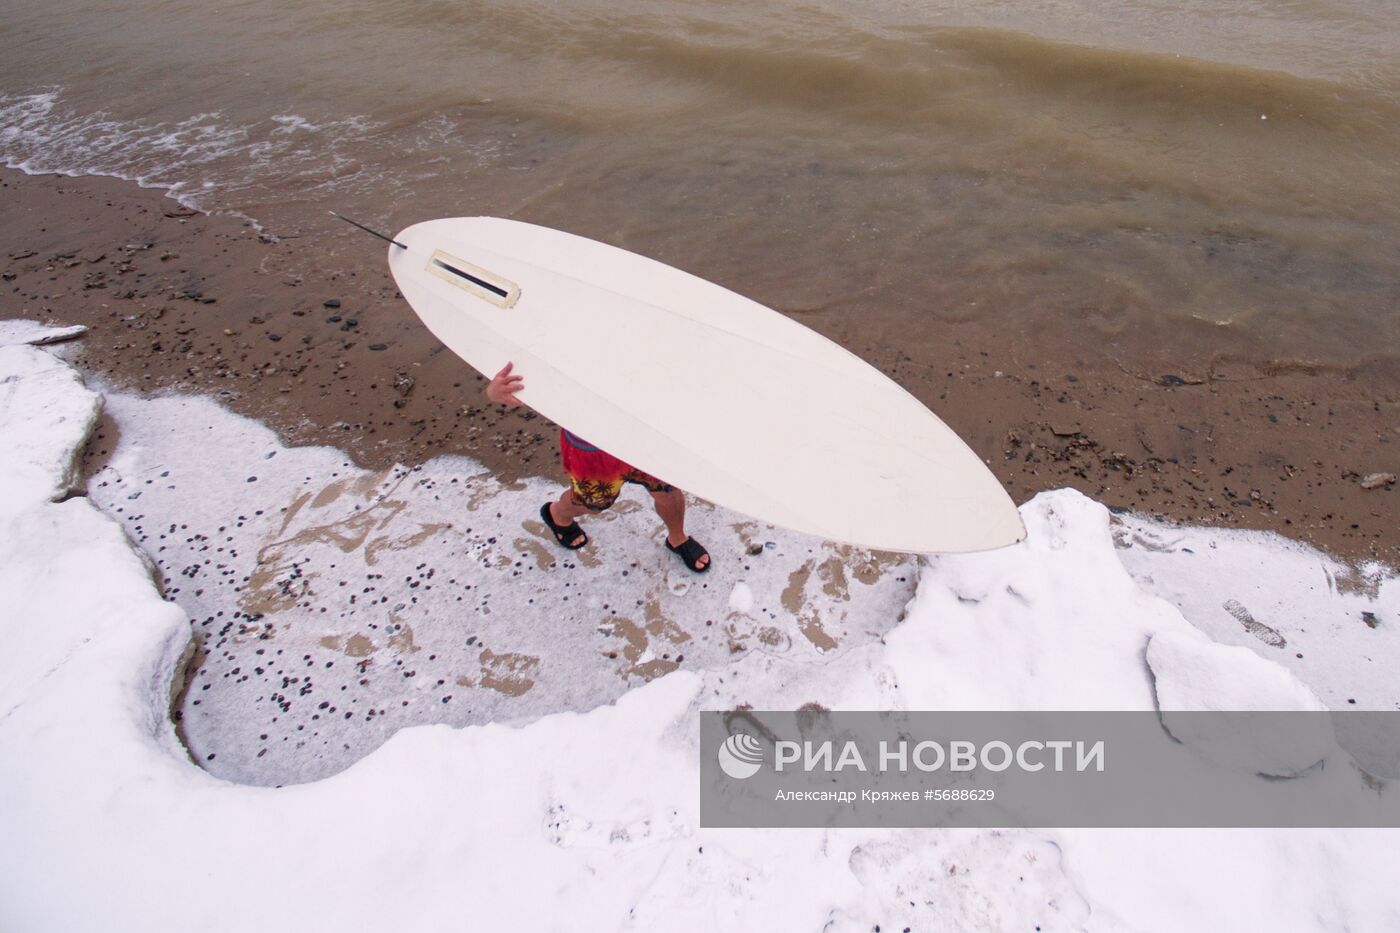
[{"x": 368, "y": 230}]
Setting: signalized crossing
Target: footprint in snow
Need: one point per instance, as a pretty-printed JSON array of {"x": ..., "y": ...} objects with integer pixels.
[{"x": 1253, "y": 626}]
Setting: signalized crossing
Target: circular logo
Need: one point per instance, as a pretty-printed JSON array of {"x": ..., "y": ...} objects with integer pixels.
[{"x": 740, "y": 756}]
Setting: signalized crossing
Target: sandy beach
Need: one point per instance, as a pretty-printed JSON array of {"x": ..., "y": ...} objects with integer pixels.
[{"x": 306, "y": 333}]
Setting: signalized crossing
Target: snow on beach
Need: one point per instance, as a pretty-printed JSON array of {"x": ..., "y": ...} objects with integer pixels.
[
  {"x": 335, "y": 605},
  {"x": 1320, "y": 618},
  {"x": 583, "y": 813}
]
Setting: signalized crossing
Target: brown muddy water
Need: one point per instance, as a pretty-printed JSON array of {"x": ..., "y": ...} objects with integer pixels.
[{"x": 1161, "y": 184}]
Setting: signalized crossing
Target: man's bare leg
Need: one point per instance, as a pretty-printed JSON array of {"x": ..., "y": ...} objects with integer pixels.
[
  {"x": 566, "y": 509},
  {"x": 671, "y": 507}
]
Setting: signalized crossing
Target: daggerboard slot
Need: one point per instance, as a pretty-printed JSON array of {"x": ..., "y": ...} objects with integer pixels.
[{"x": 474, "y": 279}]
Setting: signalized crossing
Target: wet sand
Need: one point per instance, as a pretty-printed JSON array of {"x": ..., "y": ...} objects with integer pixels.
[{"x": 308, "y": 335}]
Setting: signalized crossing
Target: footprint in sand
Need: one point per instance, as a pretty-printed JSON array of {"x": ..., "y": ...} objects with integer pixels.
[
  {"x": 677, "y": 584},
  {"x": 1251, "y": 625}
]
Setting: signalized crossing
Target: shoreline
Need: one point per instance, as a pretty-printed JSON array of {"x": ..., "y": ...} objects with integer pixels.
[{"x": 177, "y": 300}]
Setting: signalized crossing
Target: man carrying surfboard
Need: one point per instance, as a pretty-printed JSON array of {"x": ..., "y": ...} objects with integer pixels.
[{"x": 596, "y": 478}]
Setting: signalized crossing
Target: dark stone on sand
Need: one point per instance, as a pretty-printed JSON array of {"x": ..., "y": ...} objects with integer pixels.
[
  {"x": 379, "y": 346},
  {"x": 333, "y": 319},
  {"x": 331, "y": 303},
  {"x": 274, "y": 337},
  {"x": 1170, "y": 380}
]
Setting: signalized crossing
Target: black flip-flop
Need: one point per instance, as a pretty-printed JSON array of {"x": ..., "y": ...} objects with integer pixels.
[
  {"x": 570, "y": 536},
  {"x": 691, "y": 551}
]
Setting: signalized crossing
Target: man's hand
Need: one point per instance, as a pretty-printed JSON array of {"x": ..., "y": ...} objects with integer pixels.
[{"x": 503, "y": 386}]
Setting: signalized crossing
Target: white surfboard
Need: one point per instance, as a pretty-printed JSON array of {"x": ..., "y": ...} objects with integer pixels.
[{"x": 697, "y": 385}]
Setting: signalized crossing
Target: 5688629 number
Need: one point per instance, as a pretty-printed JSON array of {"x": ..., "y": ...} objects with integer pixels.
[{"x": 962, "y": 793}]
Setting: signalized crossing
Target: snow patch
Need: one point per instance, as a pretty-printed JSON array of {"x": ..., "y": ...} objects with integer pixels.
[
  {"x": 34, "y": 334},
  {"x": 46, "y": 415},
  {"x": 1054, "y": 622},
  {"x": 334, "y": 606},
  {"x": 741, "y": 599},
  {"x": 1336, "y": 626},
  {"x": 1193, "y": 674}
]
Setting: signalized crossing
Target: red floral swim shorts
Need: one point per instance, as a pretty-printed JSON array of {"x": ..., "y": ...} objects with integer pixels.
[{"x": 597, "y": 475}]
